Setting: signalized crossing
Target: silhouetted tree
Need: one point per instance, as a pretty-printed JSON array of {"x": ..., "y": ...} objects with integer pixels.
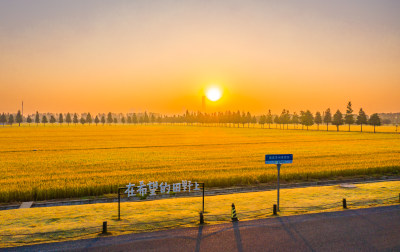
[
  {"x": 337, "y": 119},
  {"x": 146, "y": 118},
  {"x": 269, "y": 119},
  {"x": 29, "y": 120},
  {"x": 232, "y": 118},
  {"x": 60, "y": 118},
  {"x": 327, "y": 118},
  {"x": 18, "y": 118},
  {"x": 375, "y": 120},
  {"x": 89, "y": 118},
  {"x": 243, "y": 119},
  {"x": 52, "y": 119},
  {"x": 103, "y": 120},
  {"x": 115, "y": 120},
  {"x": 308, "y": 119},
  {"x": 129, "y": 119},
  {"x": 68, "y": 119},
  {"x": 228, "y": 118},
  {"x": 236, "y": 118},
  {"x": 287, "y": 119},
  {"x": 253, "y": 121},
  {"x": 123, "y": 120},
  {"x": 187, "y": 117},
  {"x": 109, "y": 118},
  {"x": 134, "y": 118},
  {"x": 276, "y": 121},
  {"x": 302, "y": 118},
  {"x": 262, "y": 120},
  {"x": 348, "y": 118},
  {"x": 318, "y": 119},
  {"x": 295, "y": 119},
  {"x": 44, "y": 120},
  {"x": 284, "y": 118},
  {"x": 37, "y": 118},
  {"x": 361, "y": 118},
  {"x": 248, "y": 119},
  {"x": 82, "y": 120},
  {"x": 3, "y": 119},
  {"x": 11, "y": 119},
  {"x": 75, "y": 120},
  {"x": 96, "y": 120}
]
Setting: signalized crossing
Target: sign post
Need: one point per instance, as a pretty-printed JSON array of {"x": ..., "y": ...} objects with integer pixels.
[
  {"x": 279, "y": 159},
  {"x": 278, "y": 166}
]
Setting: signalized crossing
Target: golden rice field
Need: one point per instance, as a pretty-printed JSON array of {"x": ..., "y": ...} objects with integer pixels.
[{"x": 39, "y": 163}]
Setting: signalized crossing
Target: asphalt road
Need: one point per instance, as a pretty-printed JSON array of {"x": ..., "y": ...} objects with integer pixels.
[{"x": 372, "y": 229}]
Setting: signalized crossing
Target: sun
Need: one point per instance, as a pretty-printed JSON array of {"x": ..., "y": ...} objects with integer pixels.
[{"x": 213, "y": 94}]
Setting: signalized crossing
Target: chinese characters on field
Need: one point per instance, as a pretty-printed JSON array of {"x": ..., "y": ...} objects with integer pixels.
[{"x": 151, "y": 187}]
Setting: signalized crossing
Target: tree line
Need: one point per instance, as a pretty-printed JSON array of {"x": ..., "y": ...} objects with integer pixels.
[
  {"x": 307, "y": 119},
  {"x": 227, "y": 119}
]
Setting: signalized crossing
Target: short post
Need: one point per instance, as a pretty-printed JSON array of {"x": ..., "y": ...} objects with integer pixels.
[
  {"x": 233, "y": 215},
  {"x": 274, "y": 210},
  {"x": 279, "y": 171},
  {"x": 344, "y": 204},
  {"x": 201, "y": 218},
  {"x": 203, "y": 195},
  {"x": 119, "y": 204},
  {"x": 104, "y": 227},
  {"x": 119, "y": 201}
]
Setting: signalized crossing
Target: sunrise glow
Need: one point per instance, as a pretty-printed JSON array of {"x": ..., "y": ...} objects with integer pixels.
[
  {"x": 214, "y": 94},
  {"x": 118, "y": 56}
]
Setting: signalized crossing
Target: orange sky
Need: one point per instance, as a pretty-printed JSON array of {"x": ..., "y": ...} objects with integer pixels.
[{"x": 130, "y": 56}]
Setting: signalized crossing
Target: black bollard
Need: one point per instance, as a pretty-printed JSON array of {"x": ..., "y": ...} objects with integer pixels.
[
  {"x": 105, "y": 227},
  {"x": 275, "y": 210},
  {"x": 344, "y": 204},
  {"x": 201, "y": 218}
]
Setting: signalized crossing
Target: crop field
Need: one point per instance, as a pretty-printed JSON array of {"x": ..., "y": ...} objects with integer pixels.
[{"x": 50, "y": 162}]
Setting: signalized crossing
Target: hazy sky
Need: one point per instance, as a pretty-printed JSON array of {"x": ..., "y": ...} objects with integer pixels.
[{"x": 124, "y": 56}]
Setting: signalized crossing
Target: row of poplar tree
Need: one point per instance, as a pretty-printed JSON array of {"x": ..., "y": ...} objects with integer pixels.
[
  {"x": 306, "y": 118},
  {"x": 228, "y": 118},
  {"x": 69, "y": 118}
]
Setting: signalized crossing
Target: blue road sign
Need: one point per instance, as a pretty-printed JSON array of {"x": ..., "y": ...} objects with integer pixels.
[{"x": 279, "y": 159}]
